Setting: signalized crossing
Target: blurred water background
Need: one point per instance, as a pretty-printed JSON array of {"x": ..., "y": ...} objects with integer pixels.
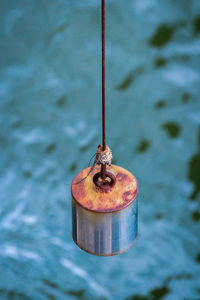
[{"x": 50, "y": 122}]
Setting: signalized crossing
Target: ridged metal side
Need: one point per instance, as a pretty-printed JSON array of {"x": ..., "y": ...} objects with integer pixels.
[{"x": 104, "y": 234}]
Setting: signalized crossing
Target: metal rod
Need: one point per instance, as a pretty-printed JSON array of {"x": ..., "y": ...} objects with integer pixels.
[
  {"x": 103, "y": 172},
  {"x": 103, "y": 76},
  {"x": 103, "y": 34},
  {"x": 103, "y": 167}
]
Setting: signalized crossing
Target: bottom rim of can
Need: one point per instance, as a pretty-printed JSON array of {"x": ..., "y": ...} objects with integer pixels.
[{"x": 105, "y": 255}]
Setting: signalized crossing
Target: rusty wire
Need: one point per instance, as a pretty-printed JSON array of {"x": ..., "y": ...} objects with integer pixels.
[
  {"x": 103, "y": 37},
  {"x": 103, "y": 173},
  {"x": 103, "y": 75}
]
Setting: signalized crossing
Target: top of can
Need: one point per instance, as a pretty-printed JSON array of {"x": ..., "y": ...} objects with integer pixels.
[{"x": 87, "y": 195}]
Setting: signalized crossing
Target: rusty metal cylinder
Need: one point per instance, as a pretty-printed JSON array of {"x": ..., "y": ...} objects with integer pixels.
[{"x": 104, "y": 223}]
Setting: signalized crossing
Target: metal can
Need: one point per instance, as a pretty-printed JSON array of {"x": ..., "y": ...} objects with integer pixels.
[{"x": 104, "y": 223}]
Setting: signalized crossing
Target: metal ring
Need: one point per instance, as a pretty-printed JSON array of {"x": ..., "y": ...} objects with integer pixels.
[{"x": 106, "y": 185}]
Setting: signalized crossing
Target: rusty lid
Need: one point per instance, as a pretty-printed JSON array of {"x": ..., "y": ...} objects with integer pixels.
[{"x": 86, "y": 194}]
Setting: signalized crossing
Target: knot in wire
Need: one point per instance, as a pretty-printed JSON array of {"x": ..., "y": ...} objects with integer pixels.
[
  {"x": 103, "y": 157},
  {"x": 104, "y": 180}
]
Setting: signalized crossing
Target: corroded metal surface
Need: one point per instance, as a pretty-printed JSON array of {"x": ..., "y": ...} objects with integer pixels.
[{"x": 87, "y": 195}]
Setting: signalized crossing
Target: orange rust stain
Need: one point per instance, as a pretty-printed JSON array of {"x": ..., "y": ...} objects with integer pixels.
[
  {"x": 79, "y": 191},
  {"x": 129, "y": 195},
  {"x": 122, "y": 177},
  {"x": 89, "y": 204}
]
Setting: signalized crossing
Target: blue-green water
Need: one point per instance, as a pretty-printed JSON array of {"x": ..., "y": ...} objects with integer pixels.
[{"x": 50, "y": 122}]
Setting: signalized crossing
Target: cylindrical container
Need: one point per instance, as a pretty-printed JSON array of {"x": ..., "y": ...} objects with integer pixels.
[{"x": 104, "y": 223}]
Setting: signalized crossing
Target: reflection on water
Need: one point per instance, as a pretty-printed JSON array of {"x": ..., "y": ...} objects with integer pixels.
[{"x": 49, "y": 128}]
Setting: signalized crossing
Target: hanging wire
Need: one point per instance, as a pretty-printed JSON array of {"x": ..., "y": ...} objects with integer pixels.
[
  {"x": 103, "y": 155},
  {"x": 103, "y": 35},
  {"x": 103, "y": 75}
]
